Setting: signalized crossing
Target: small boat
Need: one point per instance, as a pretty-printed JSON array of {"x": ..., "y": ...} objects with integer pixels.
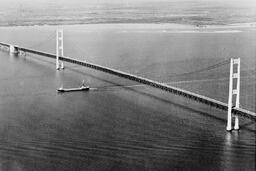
[{"x": 82, "y": 88}]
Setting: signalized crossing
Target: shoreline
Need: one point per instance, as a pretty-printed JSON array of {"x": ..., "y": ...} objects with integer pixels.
[{"x": 142, "y": 25}]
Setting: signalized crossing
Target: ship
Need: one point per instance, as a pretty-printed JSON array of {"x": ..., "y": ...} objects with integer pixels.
[{"x": 81, "y": 88}]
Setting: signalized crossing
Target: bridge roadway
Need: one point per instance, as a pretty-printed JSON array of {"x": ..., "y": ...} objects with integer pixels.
[{"x": 142, "y": 80}]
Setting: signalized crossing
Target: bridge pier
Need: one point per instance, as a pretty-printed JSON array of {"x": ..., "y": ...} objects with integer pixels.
[{"x": 13, "y": 49}]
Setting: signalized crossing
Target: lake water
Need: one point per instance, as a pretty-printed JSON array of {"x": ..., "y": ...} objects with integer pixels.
[{"x": 119, "y": 125}]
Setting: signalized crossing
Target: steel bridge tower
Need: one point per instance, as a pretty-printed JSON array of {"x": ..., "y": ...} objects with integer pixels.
[
  {"x": 234, "y": 90},
  {"x": 59, "y": 48}
]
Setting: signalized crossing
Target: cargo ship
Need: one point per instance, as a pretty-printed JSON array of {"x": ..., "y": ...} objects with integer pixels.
[{"x": 82, "y": 88}]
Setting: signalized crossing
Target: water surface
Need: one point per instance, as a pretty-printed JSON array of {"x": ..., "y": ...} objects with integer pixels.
[{"x": 123, "y": 128}]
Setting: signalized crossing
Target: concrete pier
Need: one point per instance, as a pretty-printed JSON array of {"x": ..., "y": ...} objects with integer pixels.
[{"x": 13, "y": 49}]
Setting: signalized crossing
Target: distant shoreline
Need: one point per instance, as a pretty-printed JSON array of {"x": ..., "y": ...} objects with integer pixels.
[
  {"x": 147, "y": 26},
  {"x": 95, "y": 23}
]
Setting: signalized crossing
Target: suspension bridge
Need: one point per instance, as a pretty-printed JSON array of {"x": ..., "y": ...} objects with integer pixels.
[{"x": 232, "y": 110}]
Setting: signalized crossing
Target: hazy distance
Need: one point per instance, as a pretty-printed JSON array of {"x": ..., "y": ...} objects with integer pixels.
[{"x": 195, "y": 12}]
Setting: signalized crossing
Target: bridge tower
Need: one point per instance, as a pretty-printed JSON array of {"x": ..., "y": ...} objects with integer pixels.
[
  {"x": 59, "y": 48},
  {"x": 234, "y": 75}
]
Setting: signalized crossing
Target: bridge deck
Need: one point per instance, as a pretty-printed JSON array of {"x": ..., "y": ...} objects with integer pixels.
[{"x": 168, "y": 88}]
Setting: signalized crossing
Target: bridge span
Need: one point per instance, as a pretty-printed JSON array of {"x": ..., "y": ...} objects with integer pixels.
[{"x": 177, "y": 91}]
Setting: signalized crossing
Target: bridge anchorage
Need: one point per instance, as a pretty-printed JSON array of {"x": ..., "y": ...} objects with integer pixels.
[
  {"x": 233, "y": 109},
  {"x": 13, "y": 50}
]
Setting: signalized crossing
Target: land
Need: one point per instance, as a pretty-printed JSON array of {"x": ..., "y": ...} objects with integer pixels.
[{"x": 197, "y": 13}]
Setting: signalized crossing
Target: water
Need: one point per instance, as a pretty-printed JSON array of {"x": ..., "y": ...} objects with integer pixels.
[{"x": 123, "y": 128}]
